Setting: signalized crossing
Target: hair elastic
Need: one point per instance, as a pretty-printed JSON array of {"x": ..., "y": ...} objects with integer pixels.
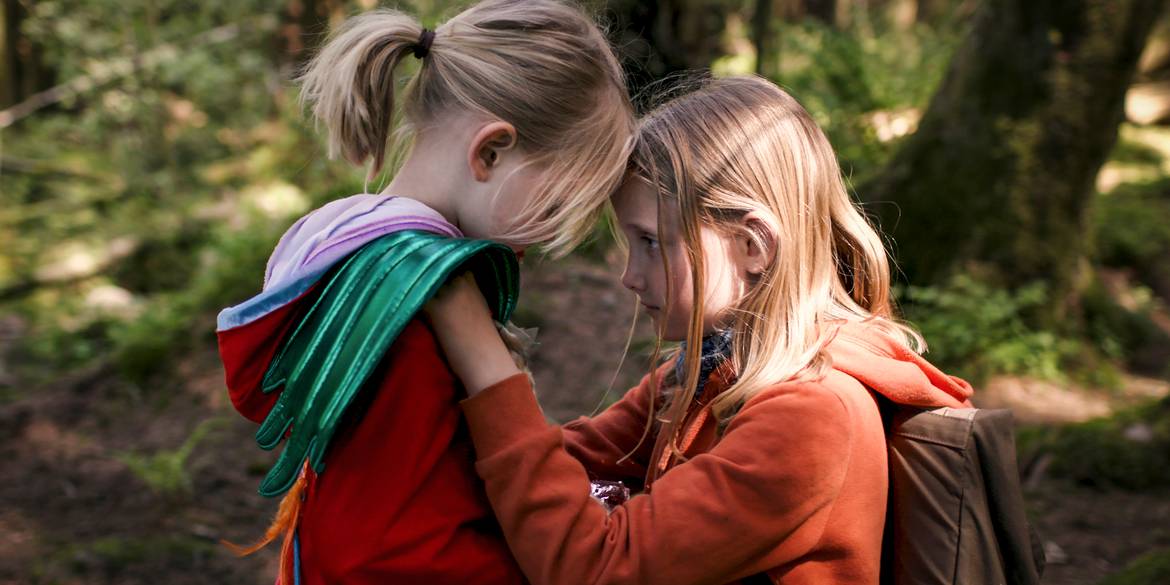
[{"x": 423, "y": 47}]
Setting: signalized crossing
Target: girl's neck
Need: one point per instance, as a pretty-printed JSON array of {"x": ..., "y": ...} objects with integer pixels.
[{"x": 423, "y": 179}]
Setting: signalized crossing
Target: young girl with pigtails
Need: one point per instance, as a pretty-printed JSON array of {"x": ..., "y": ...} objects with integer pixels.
[
  {"x": 758, "y": 451},
  {"x": 518, "y": 123}
]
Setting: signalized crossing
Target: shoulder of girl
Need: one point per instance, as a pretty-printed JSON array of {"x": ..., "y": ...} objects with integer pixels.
[
  {"x": 831, "y": 395},
  {"x": 805, "y": 413}
]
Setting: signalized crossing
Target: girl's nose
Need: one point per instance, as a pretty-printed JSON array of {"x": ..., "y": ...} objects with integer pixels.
[{"x": 632, "y": 278}]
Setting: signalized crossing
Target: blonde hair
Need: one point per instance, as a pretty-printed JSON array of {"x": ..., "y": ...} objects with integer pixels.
[
  {"x": 541, "y": 65},
  {"x": 742, "y": 145}
]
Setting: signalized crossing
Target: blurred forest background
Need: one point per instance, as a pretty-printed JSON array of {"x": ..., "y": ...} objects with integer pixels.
[{"x": 1017, "y": 152}]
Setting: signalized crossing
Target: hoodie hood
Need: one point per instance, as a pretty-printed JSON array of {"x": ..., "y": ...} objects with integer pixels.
[
  {"x": 320, "y": 239},
  {"x": 251, "y": 332},
  {"x": 893, "y": 370}
]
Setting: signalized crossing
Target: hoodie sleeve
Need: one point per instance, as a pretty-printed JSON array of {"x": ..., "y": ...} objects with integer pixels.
[
  {"x": 725, "y": 514},
  {"x": 600, "y": 442}
]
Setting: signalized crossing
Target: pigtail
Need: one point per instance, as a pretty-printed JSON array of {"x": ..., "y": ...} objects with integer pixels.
[
  {"x": 541, "y": 65},
  {"x": 350, "y": 83}
]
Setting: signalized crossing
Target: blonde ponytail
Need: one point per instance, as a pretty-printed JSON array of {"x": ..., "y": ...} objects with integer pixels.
[
  {"x": 541, "y": 65},
  {"x": 351, "y": 83}
]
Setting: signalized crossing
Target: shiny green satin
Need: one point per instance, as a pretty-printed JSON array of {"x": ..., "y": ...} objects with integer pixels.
[{"x": 364, "y": 306}]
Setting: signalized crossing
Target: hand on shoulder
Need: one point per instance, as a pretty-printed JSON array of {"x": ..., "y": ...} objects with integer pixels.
[{"x": 464, "y": 326}]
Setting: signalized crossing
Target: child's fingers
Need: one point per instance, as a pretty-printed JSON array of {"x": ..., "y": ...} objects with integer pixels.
[{"x": 519, "y": 342}]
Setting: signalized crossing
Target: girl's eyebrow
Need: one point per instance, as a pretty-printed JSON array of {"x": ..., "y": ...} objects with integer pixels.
[{"x": 651, "y": 231}]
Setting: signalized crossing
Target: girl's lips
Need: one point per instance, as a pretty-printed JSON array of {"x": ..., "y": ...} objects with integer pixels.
[{"x": 649, "y": 307}]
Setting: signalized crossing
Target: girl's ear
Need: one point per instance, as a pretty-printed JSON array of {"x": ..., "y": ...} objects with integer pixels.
[
  {"x": 755, "y": 244},
  {"x": 487, "y": 147}
]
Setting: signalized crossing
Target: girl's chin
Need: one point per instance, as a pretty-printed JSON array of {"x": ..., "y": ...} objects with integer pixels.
[
  {"x": 672, "y": 336},
  {"x": 678, "y": 333},
  {"x": 669, "y": 335}
]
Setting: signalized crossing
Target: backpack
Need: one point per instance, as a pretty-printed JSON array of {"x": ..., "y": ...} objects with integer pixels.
[{"x": 956, "y": 508}]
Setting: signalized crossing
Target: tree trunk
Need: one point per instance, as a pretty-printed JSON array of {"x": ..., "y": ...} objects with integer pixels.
[
  {"x": 929, "y": 11},
  {"x": 822, "y": 10},
  {"x": 1001, "y": 171},
  {"x": 22, "y": 71},
  {"x": 903, "y": 13},
  {"x": 657, "y": 39},
  {"x": 764, "y": 35},
  {"x": 858, "y": 12}
]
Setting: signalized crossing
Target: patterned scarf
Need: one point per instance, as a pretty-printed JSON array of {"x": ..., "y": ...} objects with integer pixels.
[{"x": 716, "y": 348}]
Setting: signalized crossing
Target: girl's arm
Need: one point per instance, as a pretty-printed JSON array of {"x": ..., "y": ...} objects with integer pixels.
[
  {"x": 476, "y": 354},
  {"x": 758, "y": 500},
  {"x": 616, "y": 434}
]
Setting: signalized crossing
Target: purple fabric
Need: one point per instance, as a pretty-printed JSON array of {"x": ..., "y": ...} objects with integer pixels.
[
  {"x": 318, "y": 240},
  {"x": 340, "y": 227}
]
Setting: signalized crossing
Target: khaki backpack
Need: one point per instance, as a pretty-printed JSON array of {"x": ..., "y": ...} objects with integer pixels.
[{"x": 956, "y": 509}]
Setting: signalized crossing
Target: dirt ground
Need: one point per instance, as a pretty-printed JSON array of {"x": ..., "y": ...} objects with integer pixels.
[{"x": 71, "y": 510}]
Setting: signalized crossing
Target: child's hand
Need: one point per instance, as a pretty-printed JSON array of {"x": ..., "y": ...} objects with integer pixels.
[{"x": 464, "y": 326}]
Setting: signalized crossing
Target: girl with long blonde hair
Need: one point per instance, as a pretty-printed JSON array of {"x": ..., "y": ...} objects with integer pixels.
[
  {"x": 512, "y": 130},
  {"x": 758, "y": 451}
]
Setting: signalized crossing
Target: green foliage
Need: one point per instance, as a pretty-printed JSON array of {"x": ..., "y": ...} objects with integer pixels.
[
  {"x": 165, "y": 472},
  {"x": 229, "y": 269},
  {"x": 1127, "y": 333},
  {"x": 845, "y": 76},
  {"x": 1135, "y": 152},
  {"x": 120, "y": 552},
  {"x": 115, "y": 555},
  {"x": 164, "y": 184},
  {"x": 1129, "y": 450},
  {"x": 1152, "y": 568},
  {"x": 1132, "y": 231},
  {"x": 165, "y": 153},
  {"x": 1133, "y": 225},
  {"x": 977, "y": 330}
]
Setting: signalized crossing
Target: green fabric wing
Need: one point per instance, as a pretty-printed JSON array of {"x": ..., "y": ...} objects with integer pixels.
[{"x": 363, "y": 307}]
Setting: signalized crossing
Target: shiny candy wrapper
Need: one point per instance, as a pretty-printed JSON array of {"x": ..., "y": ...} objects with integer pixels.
[{"x": 609, "y": 493}]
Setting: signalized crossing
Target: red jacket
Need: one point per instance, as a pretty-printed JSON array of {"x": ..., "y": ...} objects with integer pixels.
[{"x": 399, "y": 501}]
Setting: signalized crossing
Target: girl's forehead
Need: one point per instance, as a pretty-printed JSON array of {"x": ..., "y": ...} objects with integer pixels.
[
  {"x": 635, "y": 208},
  {"x": 635, "y": 197},
  {"x": 636, "y": 205}
]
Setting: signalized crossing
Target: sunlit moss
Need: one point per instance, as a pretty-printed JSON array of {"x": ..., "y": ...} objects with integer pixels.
[{"x": 1152, "y": 568}]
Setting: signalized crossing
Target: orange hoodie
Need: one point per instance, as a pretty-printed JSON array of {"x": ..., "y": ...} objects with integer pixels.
[{"x": 795, "y": 486}]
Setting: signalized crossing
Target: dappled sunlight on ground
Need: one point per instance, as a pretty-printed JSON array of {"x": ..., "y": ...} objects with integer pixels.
[
  {"x": 1157, "y": 139},
  {"x": 1042, "y": 401}
]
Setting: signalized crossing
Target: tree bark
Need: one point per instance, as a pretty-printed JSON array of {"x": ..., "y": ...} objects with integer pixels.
[
  {"x": 822, "y": 10},
  {"x": 22, "y": 71},
  {"x": 659, "y": 39},
  {"x": 903, "y": 13},
  {"x": 764, "y": 36},
  {"x": 1001, "y": 171},
  {"x": 928, "y": 11}
]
